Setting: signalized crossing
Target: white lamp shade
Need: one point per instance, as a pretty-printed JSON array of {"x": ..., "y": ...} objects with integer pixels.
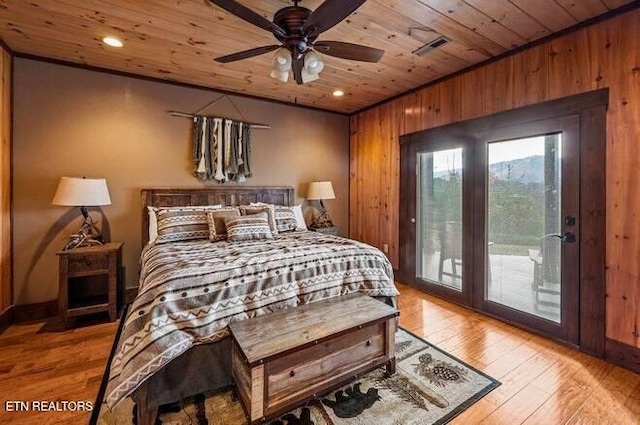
[
  {"x": 312, "y": 67},
  {"x": 312, "y": 63},
  {"x": 280, "y": 75},
  {"x": 320, "y": 190},
  {"x": 307, "y": 77},
  {"x": 281, "y": 65},
  {"x": 81, "y": 192}
]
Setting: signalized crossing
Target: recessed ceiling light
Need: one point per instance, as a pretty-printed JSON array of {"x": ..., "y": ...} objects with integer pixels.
[
  {"x": 112, "y": 41},
  {"x": 338, "y": 93}
]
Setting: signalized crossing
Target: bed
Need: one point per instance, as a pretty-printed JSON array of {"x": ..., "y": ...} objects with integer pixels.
[{"x": 175, "y": 340}]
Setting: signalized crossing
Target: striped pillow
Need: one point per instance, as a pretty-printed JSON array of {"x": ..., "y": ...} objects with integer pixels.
[
  {"x": 297, "y": 212},
  {"x": 217, "y": 226},
  {"x": 248, "y": 228},
  {"x": 257, "y": 209},
  {"x": 181, "y": 225},
  {"x": 153, "y": 219},
  {"x": 285, "y": 219}
]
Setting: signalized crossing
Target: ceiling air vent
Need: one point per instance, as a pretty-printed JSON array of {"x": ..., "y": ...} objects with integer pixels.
[{"x": 434, "y": 44}]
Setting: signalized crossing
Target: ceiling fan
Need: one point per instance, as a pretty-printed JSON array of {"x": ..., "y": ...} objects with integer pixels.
[{"x": 297, "y": 29}]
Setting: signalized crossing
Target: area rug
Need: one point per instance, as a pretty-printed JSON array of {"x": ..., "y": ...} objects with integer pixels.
[{"x": 431, "y": 387}]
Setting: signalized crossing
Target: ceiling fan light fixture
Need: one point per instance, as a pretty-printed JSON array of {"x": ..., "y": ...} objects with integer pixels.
[
  {"x": 313, "y": 65},
  {"x": 297, "y": 28},
  {"x": 279, "y": 75},
  {"x": 281, "y": 65},
  {"x": 307, "y": 77}
]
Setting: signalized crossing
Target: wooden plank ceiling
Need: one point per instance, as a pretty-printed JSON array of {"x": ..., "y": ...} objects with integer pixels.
[{"x": 178, "y": 39}]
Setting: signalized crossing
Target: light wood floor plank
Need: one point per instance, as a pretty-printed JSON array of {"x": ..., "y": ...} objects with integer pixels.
[
  {"x": 518, "y": 408},
  {"x": 560, "y": 406},
  {"x": 543, "y": 382},
  {"x": 606, "y": 403}
]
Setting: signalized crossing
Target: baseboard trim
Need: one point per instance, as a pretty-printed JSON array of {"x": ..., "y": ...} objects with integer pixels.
[
  {"x": 623, "y": 355},
  {"x": 37, "y": 311},
  {"x": 6, "y": 318}
]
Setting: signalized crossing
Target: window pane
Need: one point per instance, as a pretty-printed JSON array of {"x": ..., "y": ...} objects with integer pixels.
[
  {"x": 439, "y": 217},
  {"x": 524, "y": 264}
]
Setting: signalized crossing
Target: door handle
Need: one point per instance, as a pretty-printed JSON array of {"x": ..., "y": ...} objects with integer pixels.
[
  {"x": 413, "y": 220},
  {"x": 568, "y": 237}
]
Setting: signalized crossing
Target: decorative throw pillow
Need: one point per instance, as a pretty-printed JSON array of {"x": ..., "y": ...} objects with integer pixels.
[
  {"x": 285, "y": 219},
  {"x": 297, "y": 211},
  {"x": 251, "y": 227},
  {"x": 181, "y": 225},
  {"x": 216, "y": 220},
  {"x": 266, "y": 208},
  {"x": 153, "y": 219}
]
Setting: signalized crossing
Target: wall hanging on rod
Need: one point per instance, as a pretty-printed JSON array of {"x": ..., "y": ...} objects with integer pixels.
[
  {"x": 221, "y": 146},
  {"x": 210, "y": 104}
]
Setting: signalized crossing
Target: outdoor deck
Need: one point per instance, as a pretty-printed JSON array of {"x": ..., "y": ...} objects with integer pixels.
[{"x": 512, "y": 278}]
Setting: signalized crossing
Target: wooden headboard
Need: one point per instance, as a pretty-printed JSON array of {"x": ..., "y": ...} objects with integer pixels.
[{"x": 228, "y": 196}]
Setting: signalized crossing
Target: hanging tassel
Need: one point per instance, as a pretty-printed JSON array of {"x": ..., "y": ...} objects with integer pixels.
[
  {"x": 219, "y": 147},
  {"x": 201, "y": 171}
]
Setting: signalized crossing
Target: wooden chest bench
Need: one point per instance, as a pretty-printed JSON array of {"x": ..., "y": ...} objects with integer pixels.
[{"x": 286, "y": 358}]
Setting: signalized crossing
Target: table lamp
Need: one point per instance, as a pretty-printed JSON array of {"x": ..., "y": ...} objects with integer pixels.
[
  {"x": 83, "y": 193},
  {"x": 321, "y": 191}
]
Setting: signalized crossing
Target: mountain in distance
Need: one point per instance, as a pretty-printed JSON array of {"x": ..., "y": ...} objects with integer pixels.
[{"x": 523, "y": 170}]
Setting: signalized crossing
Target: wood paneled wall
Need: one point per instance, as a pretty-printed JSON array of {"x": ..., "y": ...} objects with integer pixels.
[
  {"x": 5, "y": 181},
  {"x": 606, "y": 54}
]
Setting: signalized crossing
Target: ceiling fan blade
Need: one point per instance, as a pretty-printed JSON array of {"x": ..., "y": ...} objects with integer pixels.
[
  {"x": 329, "y": 14},
  {"x": 247, "y": 54},
  {"x": 350, "y": 51},
  {"x": 249, "y": 15},
  {"x": 296, "y": 67}
]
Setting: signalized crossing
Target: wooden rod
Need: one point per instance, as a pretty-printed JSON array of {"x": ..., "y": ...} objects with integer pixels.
[{"x": 185, "y": 115}]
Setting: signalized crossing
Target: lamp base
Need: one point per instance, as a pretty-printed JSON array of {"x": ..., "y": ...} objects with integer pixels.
[
  {"x": 79, "y": 241},
  {"x": 322, "y": 221},
  {"x": 88, "y": 235}
]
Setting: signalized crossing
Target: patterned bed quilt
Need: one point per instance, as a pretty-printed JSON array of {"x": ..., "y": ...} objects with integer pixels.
[{"x": 190, "y": 292}]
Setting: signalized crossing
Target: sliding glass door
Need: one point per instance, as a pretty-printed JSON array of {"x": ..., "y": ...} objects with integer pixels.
[
  {"x": 524, "y": 216},
  {"x": 528, "y": 225},
  {"x": 493, "y": 222},
  {"x": 439, "y": 216}
]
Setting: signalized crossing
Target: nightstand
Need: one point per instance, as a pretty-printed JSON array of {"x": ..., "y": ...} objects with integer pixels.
[
  {"x": 326, "y": 230},
  {"x": 88, "y": 280}
]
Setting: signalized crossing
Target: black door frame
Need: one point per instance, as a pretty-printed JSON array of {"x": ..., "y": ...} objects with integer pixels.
[{"x": 590, "y": 108}]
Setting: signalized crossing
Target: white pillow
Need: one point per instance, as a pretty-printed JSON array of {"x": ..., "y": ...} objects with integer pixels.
[
  {"x": 153, "y": 225},
  {"x": 297, "y": 210},
  {"x": 153, "y": 219}
]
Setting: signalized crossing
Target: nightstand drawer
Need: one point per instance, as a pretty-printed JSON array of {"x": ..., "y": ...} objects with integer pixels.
[{"x": 88, "y": 265}]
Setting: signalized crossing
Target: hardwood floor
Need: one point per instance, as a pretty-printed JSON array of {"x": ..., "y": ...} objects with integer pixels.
[
  {"x": 41, "y": 362},
  {"x": 542, "y": 382}
]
